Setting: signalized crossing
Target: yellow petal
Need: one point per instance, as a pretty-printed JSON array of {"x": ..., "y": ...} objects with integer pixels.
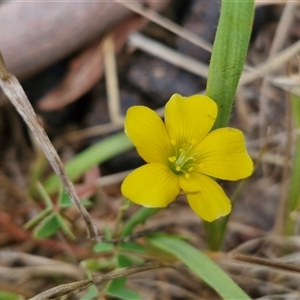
[
  {"x": 152, "y": 185},
  {"x": 223, "y": 155},
  {"x": 190, "y": 185},
  {"x": 148, "y": 134},
  {"x": 211, "y": 202},
  {"x": 189, "y": 119}
]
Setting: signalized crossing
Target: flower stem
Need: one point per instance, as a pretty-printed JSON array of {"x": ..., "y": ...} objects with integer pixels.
[
  {"x": 228, "y": 55},
  {"x": 227, "y": 61}
]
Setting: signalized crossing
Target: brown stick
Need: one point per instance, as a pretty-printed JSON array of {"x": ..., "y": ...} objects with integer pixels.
[
  {"x": 266, "y": 262},
  {"x": 70, "y": 288}
]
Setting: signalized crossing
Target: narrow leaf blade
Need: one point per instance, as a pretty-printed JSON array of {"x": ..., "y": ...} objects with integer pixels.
[{"x": 200, "y": 264}]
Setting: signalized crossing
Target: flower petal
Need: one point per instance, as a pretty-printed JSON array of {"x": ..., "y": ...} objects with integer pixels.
[
  {"x": 211, "y": 202},
  {"x": 223, "y": 155},
  {"x": 152, "y": 185},
  {"x": 148, "y": 133},
  {"x": 190, "y": 185},
  {"x": 189, "y": 119}
]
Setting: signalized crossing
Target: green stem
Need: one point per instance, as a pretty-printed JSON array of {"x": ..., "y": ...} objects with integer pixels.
[
  {"x": 294, "y": 190},
  {"x": 227, "y": 62},
  {"x": 228, "y": 55}
]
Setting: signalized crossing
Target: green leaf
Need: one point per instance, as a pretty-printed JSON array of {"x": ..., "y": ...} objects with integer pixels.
[
  {"x": 200, "y": 264},
  {"x": 38, "y": 218},
  {"x": 10, "y": 296},
  {"x": 43, "y": 193},
  {"x": 132, "y": 247},
  {"x": 127, "y": 260},
  {"x": 139, "y": 217},
  {"x": 124, "y": 261},
  {"x": 65, "y": 201},
  {"x": 115, "y": 288},
  {"x": 92, "y": 293},
  {"x": 116, "y": 284},
  {"x": 103, "y": 247},
  {"x": 125, "y": 294},
  {"x": 92, "y": 156},
  {"x": 99, "y": 264},
  {"x": 107, "y": 233},
  {"x": 47, "y": 227},
  {"x": 65, "y": 227}
]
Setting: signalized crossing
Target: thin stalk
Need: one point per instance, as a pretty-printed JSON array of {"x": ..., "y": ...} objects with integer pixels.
[{"x": 227, "y": 62}]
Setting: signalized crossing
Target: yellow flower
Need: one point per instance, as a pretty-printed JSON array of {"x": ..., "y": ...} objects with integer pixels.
[{"x": 182, "y": 155}]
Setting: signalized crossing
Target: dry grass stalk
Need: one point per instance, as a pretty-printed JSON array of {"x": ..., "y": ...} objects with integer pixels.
[
  {"x": 15, "y": 93},
  {"x": 70, "y": 288}
]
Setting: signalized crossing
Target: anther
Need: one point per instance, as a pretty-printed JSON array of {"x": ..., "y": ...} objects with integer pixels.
[
  {"x": 187, "y": 176},
  {"x": 172, "y": 158},
  {"x": 178, "y": 168}
]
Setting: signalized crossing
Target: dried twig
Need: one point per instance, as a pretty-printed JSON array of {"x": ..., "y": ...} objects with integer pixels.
[
  {"x": 111, "y": 76},
  {"x": 71, "y": 288},
  {"x": 78, "y": 135},
  {"x": 266, "y": 262},
  {"x": 282, "y": 31},
  {"x": 15, "y": 93},
  {"x": 174, "y": 57},
  {"x": 281, "y": 34},
  {"x": 271, "y": 64},
  {"x": 156, "y": 18}
]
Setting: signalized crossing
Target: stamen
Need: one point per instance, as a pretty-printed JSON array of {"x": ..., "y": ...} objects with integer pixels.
[
  {"x": 187, "y": 176},
  {"x": 172, "y": 158},
  {"x": 185, "y": 160}
]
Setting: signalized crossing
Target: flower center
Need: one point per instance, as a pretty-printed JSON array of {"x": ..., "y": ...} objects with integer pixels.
[{"x": 184, "y": 160}]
